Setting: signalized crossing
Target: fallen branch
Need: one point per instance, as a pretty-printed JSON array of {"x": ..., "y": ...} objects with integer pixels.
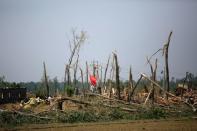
[
  {"x": 121, "y": 101},
  {"x": 193, "y": 108},
  {"x": 74, "y": 100},
  {"x": 122, "y": 108},
  {"x": 148, "y": 97},
  {"x": 170, "y": 94},
  {"x": 136, "y": 86},
  {"x": 25, "y": 114}
]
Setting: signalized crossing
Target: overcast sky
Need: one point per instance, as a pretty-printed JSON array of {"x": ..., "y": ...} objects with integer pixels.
[{"x": 33, "y": 31}]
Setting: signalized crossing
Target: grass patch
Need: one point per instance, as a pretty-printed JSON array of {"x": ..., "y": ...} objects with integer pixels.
[{"x": 10, "y": 119}]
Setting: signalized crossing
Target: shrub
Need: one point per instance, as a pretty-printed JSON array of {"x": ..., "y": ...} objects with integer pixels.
[
  {"x": 154, "y": 113},
  {"x": 69, "y": 90},
  {"x": 116, "y": 114}
]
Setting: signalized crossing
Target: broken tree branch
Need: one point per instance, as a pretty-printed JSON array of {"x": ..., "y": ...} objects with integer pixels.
[
  {"x": 135, "y": 86},
  {"x": 106, "y": 71},
  {"x": 157, "y": 85}
]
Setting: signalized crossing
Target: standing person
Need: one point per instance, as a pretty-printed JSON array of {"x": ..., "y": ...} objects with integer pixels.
[{"x": 93, "y": 83}]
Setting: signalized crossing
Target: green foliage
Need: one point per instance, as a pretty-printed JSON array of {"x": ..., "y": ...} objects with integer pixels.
[
  {"x": 69, "y": 90},
  {"x": 116, "y": 114},
  {"x": 153, "y": 113},
  {"x": 77, "y": 116},
  {"x": 11, "y": 119},
  {"x": 40, "y": 90}
]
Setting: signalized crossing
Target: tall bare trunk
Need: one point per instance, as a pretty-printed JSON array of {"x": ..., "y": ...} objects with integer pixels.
[
  {"x": 133, "y": 89},
  {"x": 117, "y": 76},
  {"x": 68, "y": 75},
  {"x": 75, "y": 71},
  {"x": 75, "y": 76},
  {"x": 111, "y": 78},
  {"x": 45, "y": 78},
  {"x": 153, "y": 78},
  {"x": 94, "y": 71},
  {"x": 130, "y": 84},
  {"x": 65, "y": 80},
  {"x": 101, "y": 76},
  {"x": 106, "y": 71},
  {"x": 82, "y": 81},
  {"x": 166, "y": 47},
  {"x": 87, "y": 74}
]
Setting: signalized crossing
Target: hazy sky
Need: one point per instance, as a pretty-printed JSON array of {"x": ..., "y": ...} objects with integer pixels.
[{"x": 33, "y": 31}]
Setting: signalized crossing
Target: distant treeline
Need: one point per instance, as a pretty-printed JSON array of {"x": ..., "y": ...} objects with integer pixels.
[{"x": 39, "y": 88}]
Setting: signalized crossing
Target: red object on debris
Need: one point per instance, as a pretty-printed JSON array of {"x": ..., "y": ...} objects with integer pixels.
[{"x": 93, "y": 80}]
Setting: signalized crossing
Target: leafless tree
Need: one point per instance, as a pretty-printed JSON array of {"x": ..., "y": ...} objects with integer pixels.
[{"x": 75, "y": 45}]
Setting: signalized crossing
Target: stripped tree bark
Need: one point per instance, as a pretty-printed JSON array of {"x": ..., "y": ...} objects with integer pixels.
[
  {"x": 68, "y": 75},
  {"x": 106, "y": 71},
  {"x": 117, "y": 75},
  {"x": 148, "y": 96},
  {"x": 165, "y": 49},
  {"x": 75, "y": 76},
  {"x": 94, "y": 69},
  {"x": 46, "y": 80},
  {"x": 153, "y": 77},
  {"x": 82, "y": 81},
  {"x": 97, "y": 70},
  {"x": 101, "y": 76},
  {"x": 87, "y": 74},
  {"x": 132, "y": 92},
  {"x": 65, "y": 80},
  {"x": 111, "y": 78},
  {"x": 130, "y": 84}
]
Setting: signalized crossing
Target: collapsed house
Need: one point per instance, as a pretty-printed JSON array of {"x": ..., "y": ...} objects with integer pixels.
[{"x": 9, "y": 95}]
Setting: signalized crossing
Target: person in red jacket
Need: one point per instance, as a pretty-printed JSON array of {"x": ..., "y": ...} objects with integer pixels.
[{"x": 93, "y": 83}]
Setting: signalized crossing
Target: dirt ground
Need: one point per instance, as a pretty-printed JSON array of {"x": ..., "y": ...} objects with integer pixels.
[{"x": 138, "y": 125}]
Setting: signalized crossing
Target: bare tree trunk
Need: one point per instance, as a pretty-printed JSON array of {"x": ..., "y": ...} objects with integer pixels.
[
  {"x": 46, "y": 81},
  {"x": 111, "y": 78},
  {"x": 153, "y": 77},
  {"x": 75, "y": 76},
  {"x": 130, "y": 84},
  {"x": 132, "y": 92},
  {"x": 106, "y": 71},
  {"x": 82, "y": 81},
  {"x": 94, "y": 73},
  {"x": 166, "y": 47},
  {"x": 75, "y": 71},
  {"x": 68, "y": 75},
  {"x": 164, "y": 79},
  {"x": 87, "y": 74},
  {"x": 97, "y": 72},
  {"x": 117, "y": 76},
  {"x": 65, "y": 80},
  {"x": 101, "y": 76},
  {"x": 149, "y": 94}
]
